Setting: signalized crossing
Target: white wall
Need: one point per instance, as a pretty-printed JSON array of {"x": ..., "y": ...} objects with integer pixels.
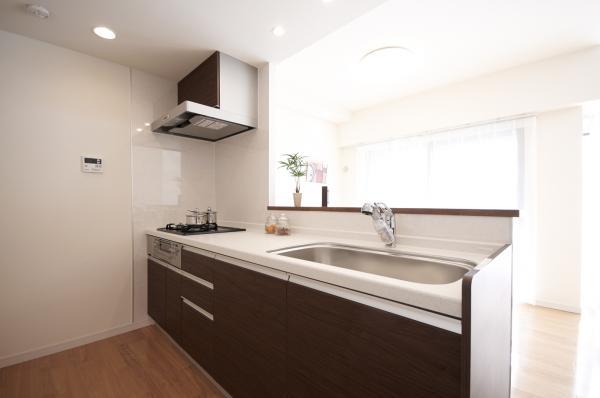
[
  {"x": 65, "y": 243},
  {"x": 242, "y": 181},
  {"x": 559, "y": 229},
  {"x": 551, "y": 84},
  {"x": 72, "y": 280},
  {"x": 170, "y": 174},
  {"x": 315, "y": 138}
]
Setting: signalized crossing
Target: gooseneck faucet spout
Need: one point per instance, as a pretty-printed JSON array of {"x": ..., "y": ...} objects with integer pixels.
[{"x": 383, "y": 221}]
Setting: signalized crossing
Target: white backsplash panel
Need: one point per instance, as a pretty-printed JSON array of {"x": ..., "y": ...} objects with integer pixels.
[{"x": 170, "y": 174}]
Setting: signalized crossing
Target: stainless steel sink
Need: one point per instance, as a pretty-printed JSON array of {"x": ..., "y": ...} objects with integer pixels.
[{"x": 411, "y": 267}]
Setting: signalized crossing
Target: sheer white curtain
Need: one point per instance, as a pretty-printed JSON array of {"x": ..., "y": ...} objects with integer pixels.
[
  {"x": 473, "y": 167},
  {"x": 487, "y": 166},
  {"x": 588, "y": 363}
]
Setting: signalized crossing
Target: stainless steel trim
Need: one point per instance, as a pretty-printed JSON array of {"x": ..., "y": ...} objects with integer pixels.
[
  {"x": 254, "y": 267},
  {"x": 203, "y": 312},
  {"x": 197, "y": 280},
  {"x": 165, "y": 264},
  {"x": 183, "y": 273},
  {"x": 424, "y": 316},
  {"x": 202, "y": 252}
]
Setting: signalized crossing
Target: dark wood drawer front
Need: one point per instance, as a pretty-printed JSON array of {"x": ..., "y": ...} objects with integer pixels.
[
  {"x": 173, "y": 305},
  {"x": 197, "y": 293},
  {"x": 197, "y": 336},
  {"x": 249, "y": 312},
  {"x": 156, "y": 292},
  {"x": 197, "y": 265},
  {"x": 339, "y": 348},
  {"x": 251, "y": 299}
]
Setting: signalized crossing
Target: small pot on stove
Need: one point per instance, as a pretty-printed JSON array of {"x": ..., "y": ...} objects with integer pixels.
[
  {"x": 196, "y": 217},
  {"x": 211, "y": 216}
]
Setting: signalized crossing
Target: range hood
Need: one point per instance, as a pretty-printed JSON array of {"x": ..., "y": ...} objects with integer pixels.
[{"x": 218, "y": 99}]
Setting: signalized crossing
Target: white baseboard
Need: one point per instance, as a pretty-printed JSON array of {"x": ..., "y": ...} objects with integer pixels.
[
  {"x": 71, "y": 343},
  {"x": 557, "y": 306}
]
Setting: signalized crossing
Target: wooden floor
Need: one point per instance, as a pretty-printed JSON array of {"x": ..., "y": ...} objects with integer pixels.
[
  {"x": 544, "y": 353},
  {"x": 144, "y": 363}
]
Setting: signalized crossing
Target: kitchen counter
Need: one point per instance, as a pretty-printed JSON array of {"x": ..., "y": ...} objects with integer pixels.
[{"x": 253, "y": 246}]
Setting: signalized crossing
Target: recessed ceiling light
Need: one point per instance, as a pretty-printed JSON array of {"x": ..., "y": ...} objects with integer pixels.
[
  {"x": 104, "y": 32},
  {"x": 139, "y": 129},
  {"x": 278, "y": 31},
  {"x": 147, "y": 124},
  {"x": 38, "y": 11}
]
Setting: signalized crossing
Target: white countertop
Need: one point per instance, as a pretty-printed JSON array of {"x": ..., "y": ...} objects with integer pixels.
[{"x": 253, "y": 246}]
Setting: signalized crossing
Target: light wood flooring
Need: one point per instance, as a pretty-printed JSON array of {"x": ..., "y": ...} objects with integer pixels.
[
  {"x": 144, "y": 363},
  {"x": 544, "y": 353}
]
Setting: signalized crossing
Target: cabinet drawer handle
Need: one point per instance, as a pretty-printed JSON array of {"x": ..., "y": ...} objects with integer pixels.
[
  {"x": 206, "y": 314},
  {"x": 196, "y": 279}
]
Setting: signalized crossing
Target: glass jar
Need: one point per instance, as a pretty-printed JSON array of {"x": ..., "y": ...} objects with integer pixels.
[
  {"x": 283, "y": 225},
  {"x": 270, "y": 224}
]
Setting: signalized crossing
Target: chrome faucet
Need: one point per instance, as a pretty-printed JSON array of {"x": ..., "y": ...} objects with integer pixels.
[{"x": 383, "y": 221}]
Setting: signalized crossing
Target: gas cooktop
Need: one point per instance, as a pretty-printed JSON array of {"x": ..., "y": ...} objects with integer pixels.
[{"x": 198, "y": 229}]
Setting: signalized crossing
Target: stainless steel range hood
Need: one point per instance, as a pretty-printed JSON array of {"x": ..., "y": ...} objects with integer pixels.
[
  {"x": 229, "y": 85},
  {"x": 190, "y": 119}
]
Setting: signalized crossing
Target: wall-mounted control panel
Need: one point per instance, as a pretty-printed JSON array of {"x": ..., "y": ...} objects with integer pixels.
[{"x": 92, "y": 164}]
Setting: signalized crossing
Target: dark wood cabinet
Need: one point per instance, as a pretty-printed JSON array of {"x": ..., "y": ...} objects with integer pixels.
[
  {"x": 197, "y": 293},
  {"x": 202, "y": 84},
  {"x": 263, "y": 336},
  {"x": 173, "y": 304},
  {"x": 272, "y": 338},
  {"x": 197, "y": 265},
  {"x": 250, "y": 328},
  {"x": 340, "y": 348},
  {"x": 156, "y": 292},
  {"x": 197, "y": 336},
  {"x": 164, "y": 298}
]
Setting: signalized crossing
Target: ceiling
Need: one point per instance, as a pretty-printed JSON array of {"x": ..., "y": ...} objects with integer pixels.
[
  {"x": 170, "y": 37},
  {"x": 452, "y": 41}
]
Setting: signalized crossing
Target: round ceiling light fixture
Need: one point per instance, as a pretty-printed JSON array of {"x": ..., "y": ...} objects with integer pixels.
[
  {"x": 387, "y": 55},
  {"x": 38, "y": 11},
  {"x": 388, "y": 64},
  {"x": 104, "y": 32},
  {"x": 278, "y": 31}
]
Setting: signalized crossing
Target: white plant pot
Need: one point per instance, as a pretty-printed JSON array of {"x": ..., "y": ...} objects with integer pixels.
[{"x": 297, "y": 199}]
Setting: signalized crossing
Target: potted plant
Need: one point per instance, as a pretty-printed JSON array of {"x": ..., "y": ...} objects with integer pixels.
[{"x": 296, "y": 166}]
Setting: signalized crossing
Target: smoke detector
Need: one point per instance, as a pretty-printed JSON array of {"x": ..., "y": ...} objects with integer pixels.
[{"x": 38, "y": 11}]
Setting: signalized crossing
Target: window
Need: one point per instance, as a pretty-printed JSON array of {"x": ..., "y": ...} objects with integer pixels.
[
  {"x": 473, "y": 167},
  {"x": 488, "y": 166}
]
